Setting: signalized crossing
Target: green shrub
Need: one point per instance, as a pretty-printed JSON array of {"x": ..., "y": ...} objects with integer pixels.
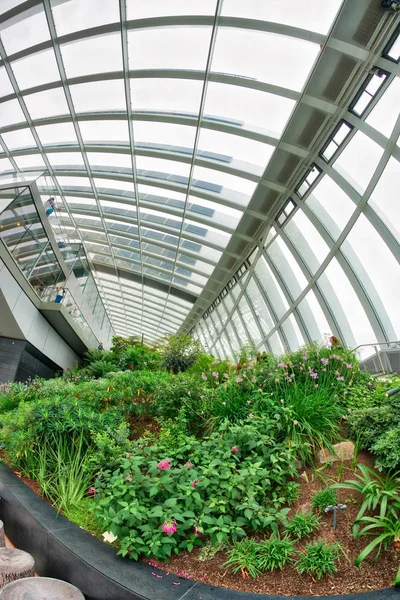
[
  {"x": 387, "y": 449},
  {"x": 243, "y": 557},
  {"x": 388, "y": 532},
  {"x": 100, "y": 368},
  {"x": 209, "y": 551},
  {"x": 137, "y": 359},
  {"x": 319, "y": 559},
  {"x": 303, "y": 524},
  {"x": 179, "y": 352},
  {"x": 227, "y": 484},
  {"x": 323, "y": 498},
  {"x": 275, "y": 553}
]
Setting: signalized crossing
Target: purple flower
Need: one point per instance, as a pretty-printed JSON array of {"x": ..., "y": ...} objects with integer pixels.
[
  {"x": 239, "y": 379},
  {"x": 281, "y": 364},
  {"x": 314, "y": 375},
  {"x": 349, "y": 366},
  {"x": 305, "y": 357},
  {"x": 215, "y": 374},
  {"x": 340, "y": 378},
  {"x": 325, "y": 361},
  {"x": 204, "y": 377}
]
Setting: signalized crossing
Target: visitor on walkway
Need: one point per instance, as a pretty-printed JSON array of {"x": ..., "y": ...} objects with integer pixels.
[
  {"x": 100, "y": 346},
  {"x": 49, "y": 206},
  {"x": 61, "y": 244},
  {"x": 60, "y": 295}
]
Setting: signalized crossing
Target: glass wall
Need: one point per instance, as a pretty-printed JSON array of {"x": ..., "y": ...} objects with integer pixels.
[{"x": 330, "y": 264}]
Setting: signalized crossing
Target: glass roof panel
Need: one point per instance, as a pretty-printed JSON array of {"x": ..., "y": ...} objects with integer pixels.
[
  {"x": 358, "y": 161},
  {"x": 155, "y": 167},
  {"x": 233, "y": 147},
  {"x": 75, "y": 15},
  {"x": 224, "y": 180},
  {"x": 109, "y": 159},
  {"x": 65, "y": 158},
  {"x": 165, "y": 136},
  {"x": 331, "y": 205},
  {"x": 36, "y": 69},
  {"x": 100, "y": 54},
  {"x": 5, "y": 83},
  {"x": 307, "y": 14},
  {"x": 247, "y": 107},
  {"x": 30, "y": 29},
  {"x": 383, "y": 117},
  {"x": 243, "y": 52},
  {"x": 11, "y": 113},
  {"x": 168, "y": 95},
  {"x": 21, "y": 138},
  {"x": 57, "y": 133},
  {"x": 169, "y": 48},
  {"x": 104, "y": 131},
  {"x": 47, "y": 104},
  {"x": 99, "y": 95},
  {"x": 385, "y": 199},
  {"x": 5, "y": 165},
  {"x": 143, "y": 9},
  {"x": 30, "y": 160}
]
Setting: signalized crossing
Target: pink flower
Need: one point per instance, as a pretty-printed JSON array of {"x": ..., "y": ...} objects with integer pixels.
[
  {"x": 349, "y": 366},
  {"x": 305, "y": 357},
  {"x": 281, "y": 364},
  {"x": 204, "y": 377},
  {"x": 188, "y": 464},
  {"x": 215, "y": 374},
  {"x": 340, "y": 378},
  {"x": 195, "y": 482},
  {"x": 314, "y": 375},
  {"x": 169, "y": 527},
  {"x": 325, "y": 361},
  {"x": 226, "y": 375},
  {"x": 239, "y": 379},
  {"x": 295, "y": 422},
  {"x": 215, "y": 362},
  {"x": 164, "y": 465},
  {"x": 254, "y": 380},
  {"x": 251, "y": 415},
  {"x": 92, "y": 491},
  {"x": 235, "y": 449}
]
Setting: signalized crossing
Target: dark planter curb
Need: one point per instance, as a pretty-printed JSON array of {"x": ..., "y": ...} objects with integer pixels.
[{"x": 63, "y": 550}]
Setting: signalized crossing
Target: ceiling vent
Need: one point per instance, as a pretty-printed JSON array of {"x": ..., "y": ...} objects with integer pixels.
[
  {"x": 368, "y": 24},
  {"x": 288, "y": 169},
  {"x": 339, "y": 79},
  {"x": 311, "y": 129}
]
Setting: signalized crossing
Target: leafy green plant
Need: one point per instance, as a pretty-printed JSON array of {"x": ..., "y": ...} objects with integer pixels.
[
  {"x": 389, "y": 532},
  {"x": 303, "y": 524},
  {"x": 243, "y": 557},
  {"x": 210, "y": 550},
  {"x": 323, "y": 498},
  {"x": 274, "y": 553},
  {"x": 387, "y": 449},
  {"x": 318, "y": 559},
  {"x": 100, "y": 368},
  {"x": 179, "y": 352},
  {"x": 377, "y": 492}
]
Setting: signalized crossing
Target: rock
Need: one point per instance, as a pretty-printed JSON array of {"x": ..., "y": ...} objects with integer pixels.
[{"x": 342, "y": 451}]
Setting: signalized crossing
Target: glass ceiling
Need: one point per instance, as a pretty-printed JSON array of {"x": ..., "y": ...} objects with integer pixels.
[{"x": 155, "y": 121}]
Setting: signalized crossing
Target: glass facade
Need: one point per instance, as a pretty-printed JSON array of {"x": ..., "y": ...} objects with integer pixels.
[{"x": 180, "y": 137}]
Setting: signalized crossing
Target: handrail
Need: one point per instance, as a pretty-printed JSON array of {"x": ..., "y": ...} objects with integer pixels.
[{"x": 375, "y": 345}]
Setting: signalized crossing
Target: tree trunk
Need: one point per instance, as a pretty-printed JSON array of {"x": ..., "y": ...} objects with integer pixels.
[
  {"x": 15, "y": 564},
  {"x": 2, "y": 538},
  {"x": 40, "y": 588}
]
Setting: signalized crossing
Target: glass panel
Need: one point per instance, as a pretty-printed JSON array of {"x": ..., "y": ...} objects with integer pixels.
[
  {"x": 224, "y": 180},
  {"x": 65, "y": 158},
  {"x": 5, "y": 84},
  {"x": 30, "y": 161},
  {"x": 47, "y": 104},
  {"x": 164, "y": 136},
  {"x": 29, "y": 30},
  {"x": 260, "y": 308},
  {"x": 307, "y": 14},
  {"x": 104, "y": 131},
  {"x": 276, "y": 344},
  {"x": 292, "y": 333},
  {"x": 142, "y": 9},
  {"x": 166, "y": 95},
  {"x": 314, "y": 318},
  {"x": 5, "y": 165},
  {"x": 233, "y": 147},
  {"x": 108, "y": 160},
  {"x": 382, "y": 116},
  {"x": 248, "y": 107},
  {"x": 385, "y": 199},
  {"x": 10, "y": 113},
  {"x": 358, "y": 161},
  {"x": 99, "y": 95},
  {"x": 271, "y": 288},
  {"x": 332, "y": 205},
  {"x": 346, "y": 306},
  {"x": 242, "y": 52},
  {"x": 75, "y": 15},
  {"x": 248, "y": 318},
  {"x": 169, "y": 48},
  {"x": 21, "y": 138},
  {"x": 58, "y": 133},
  {"x": 100, "y": 54},
  {"x": 35, "y": 70},
  {"x": 378, "y": 271},
  {"x": 307, "y": 241},
  {"x": 287, "y": 267}
]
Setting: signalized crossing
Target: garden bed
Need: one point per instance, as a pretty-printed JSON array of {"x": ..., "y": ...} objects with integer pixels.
[{"x": 372, "y": 575}]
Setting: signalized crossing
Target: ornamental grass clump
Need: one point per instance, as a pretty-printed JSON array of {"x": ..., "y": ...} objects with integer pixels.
[
  {"x": 319, "y": 559},
  {"x": 303, "y": 524},
  {"x": 323, "y": 498}
]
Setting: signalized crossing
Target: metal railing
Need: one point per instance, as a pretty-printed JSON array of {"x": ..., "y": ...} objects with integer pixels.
[{"x": 377, "y": 345}]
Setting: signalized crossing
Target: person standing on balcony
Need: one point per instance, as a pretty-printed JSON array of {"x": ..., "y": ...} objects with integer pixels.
[
  {"x": 60, "y": 295},
  {"x": 49, "y": 206}
]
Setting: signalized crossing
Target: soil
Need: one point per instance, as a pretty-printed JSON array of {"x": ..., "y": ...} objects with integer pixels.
[{"x": 287, "y": 582}]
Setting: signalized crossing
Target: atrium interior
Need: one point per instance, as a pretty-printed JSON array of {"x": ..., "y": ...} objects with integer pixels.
[{"x": 222, "y": 168}]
